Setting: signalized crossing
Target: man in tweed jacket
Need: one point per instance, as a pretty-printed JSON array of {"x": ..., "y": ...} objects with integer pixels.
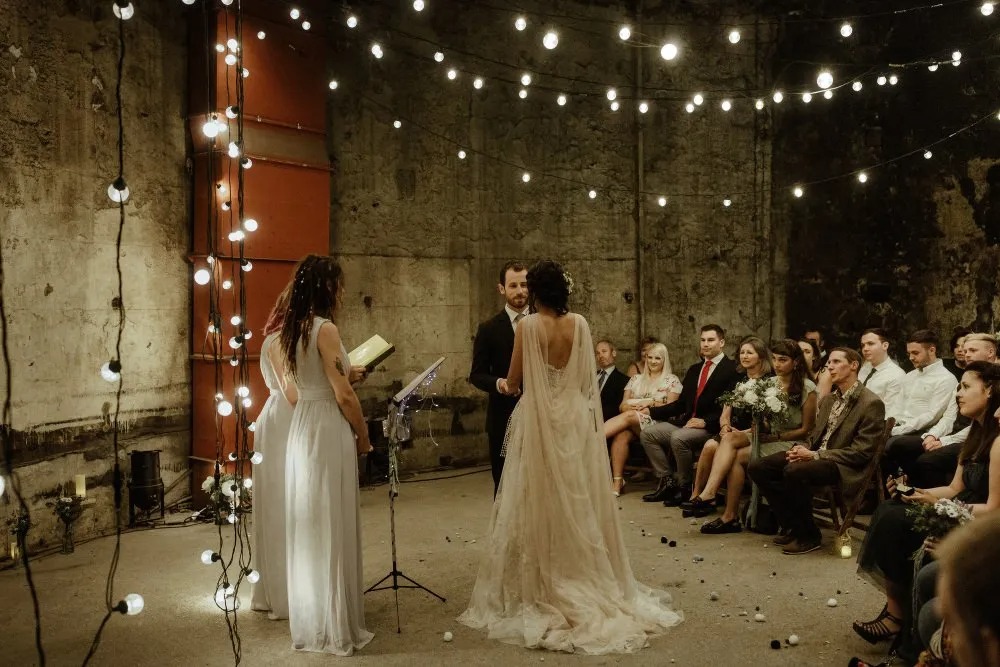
[{"x": 842, "y": 443}]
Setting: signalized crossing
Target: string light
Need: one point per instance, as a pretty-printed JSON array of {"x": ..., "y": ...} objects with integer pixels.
[
  {"x": 778, "y": 96},
  {"x": 333, "y": 84},
  {"x": 118, "y": 190},
  {"x": 615, "y": 105},
  {"x": 261, "y": 34},
  {"x": 232, "y": 45},
  {"x": 592, "y": 194},
  {"x": 520, "y": 24},
  {"x": 256, "y": 458},
  {"x": 727, "y": 202},
  {"x": 234, "y": 150},
  {"x": 759, "y": 105},
  {"x": 668, "y": 51},
  {"x": 734, "y": 36},
  {"x": 438, "y": 56},
  {"x": 857, "y": 86},
  {"x": 250, "y": 225},
  {"x": 611, "y": 94},
  {"x": 862, "y": 177},
  {"x": 662, "y": 201},
  {"x": 230, "y": 59},
  {"x": 224, "y": 408},
  {"x": 461, "y": 155},
  {"x": 726, "y": 105},
  {"x": 523, "y": 93},
  {"x": 202, "y": 276},
  {"x": 798, "y": 191},
  {"x": 418, "y": 5},
  {"x": 689, "y": 107},
  {"x": 807, "y": 98},
  {"x": 698, "y": 99},
  {"x": 235, "y": 320},
  {"x": 561, "y": 100},
  {"x": 846, "y": 29},
  {"x": 525, "y": 177},
  {"x": 893, "y": 80},
  {"x": 377, "y": 50},
  {"x": 123, "y": 9},
  {"x": 643, "y": 107},
  {"x": 306, "y": 25},
  {"x": 111, "y": 371},
  {"x": 246, "y": 265},
  {"x": 928, "y": 155},
  {"x": 828, "y": 94},
  {"x": 477, "y": 83},
  {"x": 352, "y": 21},
  {"x": 624, "y": 33},
  {"x": 987, "y": 8},
  {"x": 452, "y": 74},
  {"x": 825, "y": 79},
  {"x": 294, "y": 13},
  {"x": 525, "y": 79},
  {"x": 881, "y": 80},
  {"x": 397, "y": 124},
  {"x": 253, "y": 576},
  {"x": 550, "y": 40},
  {"x": 232, "y": 111}
]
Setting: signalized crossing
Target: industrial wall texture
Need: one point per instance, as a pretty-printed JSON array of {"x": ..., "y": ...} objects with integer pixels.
[{"x": 58, "y": 134}]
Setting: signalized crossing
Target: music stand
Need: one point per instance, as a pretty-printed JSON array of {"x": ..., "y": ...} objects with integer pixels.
[{"x": 398, "y": 430}]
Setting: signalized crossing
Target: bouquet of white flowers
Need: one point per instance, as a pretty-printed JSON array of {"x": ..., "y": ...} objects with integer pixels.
[
  {"x": 227, "y": 489},
  {"x": 762, "y": 398},
  {"x": 939, "y": 519}
]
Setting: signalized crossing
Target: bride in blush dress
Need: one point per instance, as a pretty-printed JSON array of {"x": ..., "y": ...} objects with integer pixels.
[{"x": 556, "y": 574}]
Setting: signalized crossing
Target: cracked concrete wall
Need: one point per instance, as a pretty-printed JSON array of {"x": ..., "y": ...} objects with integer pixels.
[
  {"x": 58, "y": 134},
  {"x": 423, "y": 233}
]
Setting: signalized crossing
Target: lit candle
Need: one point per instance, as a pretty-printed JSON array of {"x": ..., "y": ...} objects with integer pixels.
[
  {"x": 845, "y": 551},
  {"x": 15, "y": 552},
  {"x": 81, "y": 485}
]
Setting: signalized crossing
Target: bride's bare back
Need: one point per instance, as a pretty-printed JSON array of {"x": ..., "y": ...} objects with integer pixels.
[{"x": 560, "y": 333}]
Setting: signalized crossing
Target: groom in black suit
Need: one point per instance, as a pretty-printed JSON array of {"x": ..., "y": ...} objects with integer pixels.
[{"x": 491, "y": 354}]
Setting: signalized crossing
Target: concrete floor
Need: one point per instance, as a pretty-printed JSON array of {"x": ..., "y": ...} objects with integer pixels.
[{"x": 182, "y": 626}]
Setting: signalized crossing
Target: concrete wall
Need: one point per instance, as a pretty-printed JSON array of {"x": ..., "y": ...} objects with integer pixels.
[
  {"x": 58, "y": 134},
  {"x": 423, "y": 233}
]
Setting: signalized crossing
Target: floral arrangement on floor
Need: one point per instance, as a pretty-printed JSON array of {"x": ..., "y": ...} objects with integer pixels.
[
  {"x": 937, "y": 520},
  {"x": 68, "y": 508},
  {"x": 226, "y": 493},
  {"x": 18, "y": 523},
  {"x": 762, "y": 398}
]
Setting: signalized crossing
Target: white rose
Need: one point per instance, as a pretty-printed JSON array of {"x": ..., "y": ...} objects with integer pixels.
[
  {"x": 207, "y": 485},
  {"x": 773, "y": 404},
  {"x": 751, "y": 397},
  {"x": 771, "y": 391}
]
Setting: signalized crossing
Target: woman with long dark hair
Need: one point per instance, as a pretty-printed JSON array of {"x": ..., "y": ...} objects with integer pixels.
[{"x": 326, "y": 610}]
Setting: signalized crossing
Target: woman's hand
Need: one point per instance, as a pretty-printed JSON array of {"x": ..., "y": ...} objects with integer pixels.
[
  {"x": 920, "y": 496},
  {"x": 363, "y": 444},
  {"x": 357, "y": 374},
  {"x": 726, "y": 428},
  {"x": 890, "y": 484},
  {"x": 930, "y": 546}
]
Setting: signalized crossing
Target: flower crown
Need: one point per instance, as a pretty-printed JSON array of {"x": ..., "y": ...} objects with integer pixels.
[{"x": 569, "y": 282}]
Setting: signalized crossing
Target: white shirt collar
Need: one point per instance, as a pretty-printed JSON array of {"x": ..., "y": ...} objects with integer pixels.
[
  {"x": 607, "y": 369},
  {"x": 885, "y": 362},
  {"x": 511, "y": 313},
  {"x": 931, "y": 366},
  {"x": 717, "y": 358}
]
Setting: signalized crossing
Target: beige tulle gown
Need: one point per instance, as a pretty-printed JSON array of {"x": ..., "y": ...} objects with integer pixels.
[{"x": 556, "y": 574}]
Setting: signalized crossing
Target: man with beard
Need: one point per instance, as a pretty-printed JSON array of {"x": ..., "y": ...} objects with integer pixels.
[{"x": 491, "y": 354}]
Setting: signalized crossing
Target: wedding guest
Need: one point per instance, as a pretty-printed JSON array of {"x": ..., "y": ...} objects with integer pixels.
[
  {"x": 270, "y": 439},
  {"x": 981, "y": 346},
  {"x": 326, "y": 610},
  {"x": 671, "y": 447},
  {"x": 790, "y": 369},
  {"x": 886, "y": 555},
  {"x": 816, "y": 336},
  {"x": 879, "y": 372},
  {"x": 734, "y": 434},
  {"x": 969, "y": 591},
  {"x": 610, "y": 381},
  {"x": 817, "y": 368},
  {"x": 839, "y": 448},
  {"x": 491, "y": 352},
  {"x": 638, "y": 365},
  {"x": 655, "y": 386},
  {"x": 957, "y": 363}
]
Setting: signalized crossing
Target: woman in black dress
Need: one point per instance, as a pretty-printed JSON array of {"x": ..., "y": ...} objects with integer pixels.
[{"x": 886, "y": 556}]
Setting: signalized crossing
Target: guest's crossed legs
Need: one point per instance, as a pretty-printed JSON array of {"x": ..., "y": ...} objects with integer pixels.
[{"x": 788, "y": 490}]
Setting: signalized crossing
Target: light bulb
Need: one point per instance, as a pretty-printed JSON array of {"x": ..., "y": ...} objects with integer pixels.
[
  {"x": 611, "y": 94},
  {"x": 893, "y": 80},
  {"x": 232, "y": 518},
  {"x": 247, "y": 483},
  {"x": 759, "y": 105},
  {"x": 235, "y": 236},
  {"x": 227, "y": 2},
  {"x": 807, "y": 97},
  {"x": 881, "y": 80},
  {"x": 525, "y": 177},
  {"x": 727, "y": 202},
  {"x": 333, "y": 84},
  {"x": 689, "y": 107},
  {"x": 220, "y": 48},
  {"x": 234, "y": 150},
  {"x": 246, "y": 265},
  {"x": 188, "y": 2},
  {"x": 253, "y": 576},
  {"x": 224, "y": 408},
  {"x": 248, "y": 335},
  {"x": 726, "y": 105},
  {"x": 245, "y": 72},
  {"x": 230, "y": 59},
  {"x": 227, "y": 284},
  {"x": 452, "y": 74},
  {"x": 662, "y": 201},
  {"x": 825, "y": 79},
  {"x": 211, "y": 328},
  {"x": 202, "y": 276},
  {"x": 525, "y": 79},
  {"x": 232, "y": 111},
  {"x": 110, "y": 375},
  {"x": 624, "y": 33},
  {"x": 956, "y": 55},
  {"x": 798, "y": 192},
  {"x": 668, "y": 51},
  {"x": 550, "y": 40},
  {"x": 246, "y": 163},
  {"x": 261, "y": 34},
  {"x": 862, "y": 177},
  {"x": 352, "y": 21},
  {"x": 235, "y": 342},
  {"x": 418, "y": 5},
  {"x": 523, "y": 93},
  {"x": 461, "y": 155},
  {"x": 294, "y": 13},
  {"x": 987, "y": 8},
  {"x": 932, "y": 68},
  {"x": 397, "y": 124},
  {"x": 247, "y": 402},
  {"x": 226, "y": 205},
  {"x": 3, "y": 485},
  {"x": 242, "y": 391},
  {"x": 561, "y": 100},
  {"x": 592, "y": 194},
  {"x": 698, "y": 99},
  {"x": 928, "y": 155},
  {"x": 306, "y": 25},
  {"x": 477, "y": 83},
  {"x": 118, "y": 191},
  {"x": 520, "y": 23},
  {"x": 777, "y": 97},
  {"x": 846, "y": 30},
  {"x": 206, "y": 556},
  {"x": 233, "y": 361},
  {"x": 643, "y": 107},
  {"x": 211, "y": 128},
  {"x": 232, "y": 44},
  {"x": 734, "y": 36},
  {"x": 134, "y": 604},
  {"x": 256, "y": 457},
  {"x": 615, "y": 106},
  {"x": 123, "y": 10},
  {"x": 235, "y": 320},
  {"x": 438, "y": 56},
  {"x": 828, "y": 94},
  {"x": 232, "y": 456},
  {"x": 377, "y": 50},
  {"x": 857, "y": 85}
]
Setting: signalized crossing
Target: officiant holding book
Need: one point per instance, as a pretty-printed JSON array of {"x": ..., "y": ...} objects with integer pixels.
[{"x": 491, "y": 352}]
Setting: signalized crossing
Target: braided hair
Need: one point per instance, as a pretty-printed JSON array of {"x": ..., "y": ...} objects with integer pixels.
[{"x": 314, "y": 293}]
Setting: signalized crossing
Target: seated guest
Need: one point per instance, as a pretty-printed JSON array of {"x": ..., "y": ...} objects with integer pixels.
[
  {"x": 655, "y": 386},
  {"x": 957, "y": 363},
  {"x": 734, "y": 434},
  {"x": 610, "y": 380},
  {"x": 671, "y": 447},
  {"x": 969, "y": 591},
  {"x": 730, "y": 464},
  {"x": 886, "y": 555},
  {"x": 849, "y": 423},
  {"x": 880, "y": 373},
  {"x": 638, "y": 365},
  {"x": 817, "y": 368},
  {"x": 816, "y": 336}
]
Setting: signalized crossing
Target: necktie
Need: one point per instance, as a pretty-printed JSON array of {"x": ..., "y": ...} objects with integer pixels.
[
  {"x": 702, "y": 380},
  {"x": 517, "y": 318},
  {"x": 865, "y": 383},
  {"x": 602, "y": 375}
]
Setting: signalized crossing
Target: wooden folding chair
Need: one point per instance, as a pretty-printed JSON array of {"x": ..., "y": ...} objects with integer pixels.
[{"x": 829, "y": 506}]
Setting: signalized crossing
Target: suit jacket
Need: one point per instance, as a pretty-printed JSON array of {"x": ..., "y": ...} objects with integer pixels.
[
  {"x": 707, "y": 407},
  {"x": 491, "y": 352},
  {"x": 612, "y": 393},
  {"x": 853, "y": 441}
]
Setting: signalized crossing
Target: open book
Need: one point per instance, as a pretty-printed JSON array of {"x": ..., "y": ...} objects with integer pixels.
[{"x": 371, "y": 353}]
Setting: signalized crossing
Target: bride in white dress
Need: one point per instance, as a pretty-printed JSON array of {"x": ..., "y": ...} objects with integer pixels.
[{"x": 556, "y": 574}]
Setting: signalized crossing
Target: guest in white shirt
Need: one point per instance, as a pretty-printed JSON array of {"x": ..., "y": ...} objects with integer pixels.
[{"x": 880, "y": 373}]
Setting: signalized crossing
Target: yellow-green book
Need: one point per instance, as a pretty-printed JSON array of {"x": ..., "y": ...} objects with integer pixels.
[{"x": 371, "y": 353}]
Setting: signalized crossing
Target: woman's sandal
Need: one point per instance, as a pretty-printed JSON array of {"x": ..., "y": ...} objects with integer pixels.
[
  {"x": 619, "y": 485},
  {"x": 876, "y": 630}
]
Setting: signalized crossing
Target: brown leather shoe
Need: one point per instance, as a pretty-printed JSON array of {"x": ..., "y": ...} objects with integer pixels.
[{"x": 796, "y": 547}]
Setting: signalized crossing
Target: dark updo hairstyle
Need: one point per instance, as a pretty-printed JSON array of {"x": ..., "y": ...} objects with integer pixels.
[
  {"x": 547, "y": 285},
  {"x": 313, "y": 294}
]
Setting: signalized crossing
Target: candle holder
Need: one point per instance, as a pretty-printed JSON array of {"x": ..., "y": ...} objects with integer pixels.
[
  {"x": 843, "y": 545},
  {"x": 18, "y": 525}
]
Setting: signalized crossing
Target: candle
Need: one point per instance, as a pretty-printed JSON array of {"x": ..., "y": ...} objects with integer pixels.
[
  {"x": 15, "y": 552},
  {"x": 845, "y": 551},
  {"x": 81, "y": 485}
]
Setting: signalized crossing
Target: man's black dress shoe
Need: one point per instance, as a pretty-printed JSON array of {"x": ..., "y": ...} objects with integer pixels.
[
  {"x": 679, "y": 495},
  {"x": 664, "y": 489}
]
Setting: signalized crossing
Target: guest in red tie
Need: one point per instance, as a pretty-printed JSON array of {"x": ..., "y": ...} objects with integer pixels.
[{"x": 684, "y": 426}]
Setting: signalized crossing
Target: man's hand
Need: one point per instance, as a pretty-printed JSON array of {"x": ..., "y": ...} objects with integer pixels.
[
  {"x": 931, "y": 443},
  {"x": 358, "y": 374},
  {"x": 695, "y": 422},
  {"x": 800, "y": 453}
]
